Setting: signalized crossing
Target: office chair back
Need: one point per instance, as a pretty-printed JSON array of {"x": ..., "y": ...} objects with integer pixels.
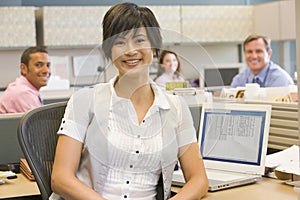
[{"x": 37, "y": 134}]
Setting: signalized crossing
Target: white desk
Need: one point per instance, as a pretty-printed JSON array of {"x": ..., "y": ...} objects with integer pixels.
[
  {"x": 266, "y": 189},
  {"x": 19, "y": 187},
  {"x": 58, "y": 94}
]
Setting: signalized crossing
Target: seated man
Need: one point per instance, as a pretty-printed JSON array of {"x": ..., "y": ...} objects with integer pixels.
[
  {"x": 260, "y": 69},
  {"x": 23, "y": 94}
]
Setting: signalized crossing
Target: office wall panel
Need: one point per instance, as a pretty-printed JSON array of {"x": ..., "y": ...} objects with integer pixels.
[
  {"x": 17, "y": 27},
  {"x": 276, "y": 20},
  {"x": 70, "y": 26},
  {"x": 266, "y": 20},
  {"x": 287, "y": 20},
  {"x": 170, "y": 22},
  {"x": 217, "y": 23}
]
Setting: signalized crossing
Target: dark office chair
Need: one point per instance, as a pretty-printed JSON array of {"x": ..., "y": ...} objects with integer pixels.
[{"x": 37, "y": 134}]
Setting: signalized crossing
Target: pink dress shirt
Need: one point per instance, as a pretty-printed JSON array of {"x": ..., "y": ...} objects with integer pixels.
[{"x": 20, "y": 96}]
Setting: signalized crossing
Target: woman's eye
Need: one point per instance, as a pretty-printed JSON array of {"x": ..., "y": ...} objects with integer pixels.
[
  {"x": 140, "y": 40},
  {"x": 119, "y": 42}
]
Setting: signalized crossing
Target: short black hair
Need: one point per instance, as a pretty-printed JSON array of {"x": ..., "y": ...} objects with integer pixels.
[
  {"x": 26, "y": 54},
  {"x": 124, "y": 17}
]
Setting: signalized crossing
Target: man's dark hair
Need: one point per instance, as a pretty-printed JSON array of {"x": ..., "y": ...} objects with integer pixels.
[
  {"x": 26, "y": 54},
  {"x": 253, "y": 37}
]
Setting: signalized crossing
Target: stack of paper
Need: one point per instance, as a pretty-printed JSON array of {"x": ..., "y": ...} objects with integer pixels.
[
  {"x": 25, "y": 169},
  {"x": 184, "y": 91},
  {"x": 285, "y": 163},
  {"x": 172, "y": 85}
]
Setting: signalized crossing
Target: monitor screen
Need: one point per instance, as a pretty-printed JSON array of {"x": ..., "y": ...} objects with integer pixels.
[
  {"x": 219, "y": 77},
  {"x": 233, "y": 135}
]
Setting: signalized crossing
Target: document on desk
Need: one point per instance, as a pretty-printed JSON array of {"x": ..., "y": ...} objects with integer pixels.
[
  {"x": 286, "y": 161},
  {"x": 225, "y": 132}
]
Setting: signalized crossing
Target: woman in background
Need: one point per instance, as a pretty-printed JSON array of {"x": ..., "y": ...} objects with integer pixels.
[{"x": 170, "y": 67}]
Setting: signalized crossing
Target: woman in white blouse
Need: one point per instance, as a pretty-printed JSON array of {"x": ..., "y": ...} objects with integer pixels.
[
  {"x": 117, "y": 139},
  {"x": 170, "y": 68}
]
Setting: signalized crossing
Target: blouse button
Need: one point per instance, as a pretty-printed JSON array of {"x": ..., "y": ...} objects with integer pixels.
[
  {"x": 137, "y": 151},
  {"x": 61, "y": 128},
  {"x": 127, "y": 182},
  {"x": 131, "y": 166},
  {"x": 125, "y": 196},
  {"x": 64, "y": 121}
]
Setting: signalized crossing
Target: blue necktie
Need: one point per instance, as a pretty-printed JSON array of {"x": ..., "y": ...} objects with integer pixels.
[
  {"x": 41, "y": 100},
  {"x": 256, "y": 80}
]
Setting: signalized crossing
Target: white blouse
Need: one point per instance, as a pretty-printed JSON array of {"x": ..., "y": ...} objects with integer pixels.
[{"x": 134, "y": 150}]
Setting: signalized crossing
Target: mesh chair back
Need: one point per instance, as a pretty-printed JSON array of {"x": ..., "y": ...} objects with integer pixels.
[{"x": 37, "y": 134}]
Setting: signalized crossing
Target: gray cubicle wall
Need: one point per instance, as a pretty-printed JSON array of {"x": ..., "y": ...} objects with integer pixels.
[
  {"x": 196, "y": 114},
  {"x": 284, "y": 125},
  {"x": 10, "y": 151}
]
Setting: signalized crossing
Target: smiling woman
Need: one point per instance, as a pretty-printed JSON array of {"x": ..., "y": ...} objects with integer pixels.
[
  {"x": 118, "y": 139},
  {"x": 131, "y": 51},
  {"x": 171, "y": 68}
]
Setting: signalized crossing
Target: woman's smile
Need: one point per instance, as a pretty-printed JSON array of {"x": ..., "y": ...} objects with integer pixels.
[{"x": 132, "y": 62}]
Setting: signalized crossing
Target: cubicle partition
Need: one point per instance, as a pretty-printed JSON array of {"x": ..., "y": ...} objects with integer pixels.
[
  {"x": 284, "y": 126},
  {"x": 283, "y": 129},
  {"x": 10, "y": 151},
  {"x": 196, "y": 114}
]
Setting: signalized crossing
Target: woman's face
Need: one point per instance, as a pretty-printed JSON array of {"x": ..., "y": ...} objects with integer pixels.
[
  {"x": 132, "y": 51},
  {"x": 170, "y": 63}
]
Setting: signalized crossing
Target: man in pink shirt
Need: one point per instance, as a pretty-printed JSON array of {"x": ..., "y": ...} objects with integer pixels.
[{"x": 23, "y": 94}]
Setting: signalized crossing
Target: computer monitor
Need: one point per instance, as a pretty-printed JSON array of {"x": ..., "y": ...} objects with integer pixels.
[
  {"x": 221, "y": 74},
  {"x": 219, "y": 77}
]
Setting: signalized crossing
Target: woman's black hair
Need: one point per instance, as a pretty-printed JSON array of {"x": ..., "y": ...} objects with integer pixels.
[{"x": 124, "y": 17}]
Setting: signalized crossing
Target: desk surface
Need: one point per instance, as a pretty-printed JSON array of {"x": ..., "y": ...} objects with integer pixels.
[
  {"x": 19, "y": 187},
  {"x": 267, "y": 188}
]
